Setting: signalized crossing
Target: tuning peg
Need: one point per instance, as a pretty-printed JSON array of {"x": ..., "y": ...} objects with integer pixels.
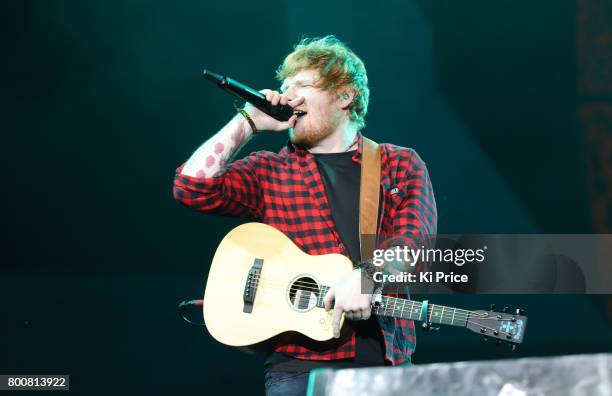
[
  {"x": 512, "y": 347},
  {"x": 520, "y": 311},
  {"x": 506, "y": 309},
  {"x": 492, "y": 307},
  {"x": 485, "y": 338},
  {"x": 498, "y": 343}
]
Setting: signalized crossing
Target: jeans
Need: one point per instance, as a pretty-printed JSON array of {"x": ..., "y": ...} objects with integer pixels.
[{"x": 281, "y": 383}]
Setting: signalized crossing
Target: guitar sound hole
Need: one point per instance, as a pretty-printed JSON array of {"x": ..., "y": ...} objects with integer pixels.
[{"x": 303, "y": 293}]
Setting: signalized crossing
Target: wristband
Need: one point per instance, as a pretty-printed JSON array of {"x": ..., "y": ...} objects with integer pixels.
[
  {"x": 246, "y": 116},
  {"x": 369, "y": 268}
]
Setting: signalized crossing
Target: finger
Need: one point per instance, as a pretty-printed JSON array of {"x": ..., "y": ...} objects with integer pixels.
[
  {"x": 336, "y": 320},
  {"x": 290, "y": 123},
  {"x": 268, "y": 94},
  {"x": 275, "y": 98},
  {"x": 283, "y": 100},
  {"x": 329, "y": 297},
  {"x": 297, "y": 101},
  {"x": 292, "y": 120},
  {"x": 365, "y": 314}
]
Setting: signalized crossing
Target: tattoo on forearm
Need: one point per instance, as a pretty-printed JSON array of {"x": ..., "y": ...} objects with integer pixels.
[
  {"x": 214, "y": 155},
  {"x": 219, "y": 148}
]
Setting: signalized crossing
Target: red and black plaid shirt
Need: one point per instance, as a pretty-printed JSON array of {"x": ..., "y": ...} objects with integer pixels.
[{"x": 285, "y": 190}]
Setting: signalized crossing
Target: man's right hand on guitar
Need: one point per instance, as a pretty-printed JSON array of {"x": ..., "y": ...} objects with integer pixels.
[{"x": 346, "y": 297}]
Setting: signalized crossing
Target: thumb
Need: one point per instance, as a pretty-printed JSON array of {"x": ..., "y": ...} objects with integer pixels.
[{"x": 329, "y": 298}]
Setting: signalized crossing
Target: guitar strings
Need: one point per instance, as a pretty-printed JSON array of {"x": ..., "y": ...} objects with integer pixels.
[
  {"x": 393, "y": 304},
  {"x": 314, "y": 288},
  {"x": 384, "y": 311},
  {"x": 460, "y": 314},
  {"x": 454, "y": 313}
]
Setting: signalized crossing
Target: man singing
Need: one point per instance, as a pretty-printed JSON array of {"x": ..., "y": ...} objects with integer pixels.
[{"x": 309, "y": 190}]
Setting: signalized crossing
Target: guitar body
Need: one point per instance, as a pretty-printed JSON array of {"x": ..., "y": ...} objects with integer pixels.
[
  {"x": 284, "y": 287},
  {"x": 261, "y": 284}
]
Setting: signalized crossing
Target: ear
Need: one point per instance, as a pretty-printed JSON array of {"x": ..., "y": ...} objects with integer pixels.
[{"x": 346, "y": 98}]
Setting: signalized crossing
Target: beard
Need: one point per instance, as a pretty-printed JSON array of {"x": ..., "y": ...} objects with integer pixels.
[{"x": 312, "y": 130}]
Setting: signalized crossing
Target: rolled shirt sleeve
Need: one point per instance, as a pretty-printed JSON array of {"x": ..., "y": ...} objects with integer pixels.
[{"x": 236, "y": 192}]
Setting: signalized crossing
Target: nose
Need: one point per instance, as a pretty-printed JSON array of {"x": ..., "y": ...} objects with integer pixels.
[{"x": 291, "y": 92}]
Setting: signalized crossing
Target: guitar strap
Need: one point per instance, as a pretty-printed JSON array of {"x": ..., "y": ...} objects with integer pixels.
[{"x": 368, "y": 198}]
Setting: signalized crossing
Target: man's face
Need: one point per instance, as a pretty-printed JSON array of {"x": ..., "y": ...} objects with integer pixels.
[{"x": 323, "y": 111}]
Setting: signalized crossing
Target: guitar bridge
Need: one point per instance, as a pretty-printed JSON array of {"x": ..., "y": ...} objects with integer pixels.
[{"x": 250, "y": 286}]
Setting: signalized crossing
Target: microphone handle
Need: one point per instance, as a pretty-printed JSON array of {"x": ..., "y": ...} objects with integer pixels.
[{"x": 256, "y": 98}]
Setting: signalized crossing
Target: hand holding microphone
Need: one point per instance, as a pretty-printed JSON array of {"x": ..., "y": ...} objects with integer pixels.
[
  {"x": 268, "y": 109},
  {"x": 266, "y": 122}
]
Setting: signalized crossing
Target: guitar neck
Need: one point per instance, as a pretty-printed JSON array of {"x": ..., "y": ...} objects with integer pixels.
[{"x": 414, "y": 310}]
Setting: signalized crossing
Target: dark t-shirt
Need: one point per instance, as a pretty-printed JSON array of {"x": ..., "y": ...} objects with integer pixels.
[{"x": 341, "y": 177}]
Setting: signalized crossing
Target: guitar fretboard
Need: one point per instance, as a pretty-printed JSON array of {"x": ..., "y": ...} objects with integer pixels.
[{"x": 414, "y": 310}]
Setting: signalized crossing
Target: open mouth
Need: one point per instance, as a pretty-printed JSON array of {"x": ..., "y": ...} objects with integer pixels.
[{"x": 299, "y": 113}]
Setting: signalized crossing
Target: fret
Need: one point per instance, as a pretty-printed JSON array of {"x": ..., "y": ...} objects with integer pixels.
[
  {"x": 421, "y": 314},
  {"x": 415, "y": 309},
  {"x": 461, "y": 319},
  {"x": 453, "y": 317},
  {"x": 404, "y": 308},
  {"x": 442, "y": 315}
]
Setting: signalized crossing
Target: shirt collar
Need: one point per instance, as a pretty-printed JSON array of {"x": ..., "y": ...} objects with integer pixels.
[{"x": 301, "y": 152}]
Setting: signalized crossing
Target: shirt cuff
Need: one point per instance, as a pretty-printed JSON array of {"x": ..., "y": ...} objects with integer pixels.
[{"x": 196, "y": 184}]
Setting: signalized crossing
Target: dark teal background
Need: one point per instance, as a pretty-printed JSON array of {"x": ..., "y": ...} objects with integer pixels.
[{"x": 103, "y": 100}]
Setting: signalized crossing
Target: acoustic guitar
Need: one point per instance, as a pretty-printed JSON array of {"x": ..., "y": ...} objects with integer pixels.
[{"x": 261, "y": 284}]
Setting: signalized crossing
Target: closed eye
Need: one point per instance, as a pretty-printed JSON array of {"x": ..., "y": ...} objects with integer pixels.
[{"x": 301, "y": 85}]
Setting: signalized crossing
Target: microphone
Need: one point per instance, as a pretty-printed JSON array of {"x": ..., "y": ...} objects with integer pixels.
[{"x": 256, "y": 98}]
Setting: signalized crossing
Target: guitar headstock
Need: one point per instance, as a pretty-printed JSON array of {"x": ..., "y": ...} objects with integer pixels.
[{"x": 503, "y": 326}]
